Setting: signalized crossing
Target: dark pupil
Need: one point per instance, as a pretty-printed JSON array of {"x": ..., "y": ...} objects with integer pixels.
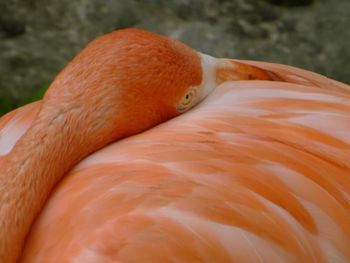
[{"x": 187, "y": 96}]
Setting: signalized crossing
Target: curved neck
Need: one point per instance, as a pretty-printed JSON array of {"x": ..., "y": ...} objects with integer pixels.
[{"x": 50, "y": 148}]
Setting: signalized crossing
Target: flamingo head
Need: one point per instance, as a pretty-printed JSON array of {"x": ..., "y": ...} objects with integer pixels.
[{"x": 130, "y": 80}]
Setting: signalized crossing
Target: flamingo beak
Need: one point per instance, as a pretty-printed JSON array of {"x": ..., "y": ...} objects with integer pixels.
[
  {"x": 219, "y": 70},
  {"x": 231, "y": 70}
]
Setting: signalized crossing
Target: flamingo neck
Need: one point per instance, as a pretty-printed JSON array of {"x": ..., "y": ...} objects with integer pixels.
[{"x": 49, "y": 149}]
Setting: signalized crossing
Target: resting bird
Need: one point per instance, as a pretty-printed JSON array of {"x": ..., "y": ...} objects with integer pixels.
[{"x": 259, "y": 171}]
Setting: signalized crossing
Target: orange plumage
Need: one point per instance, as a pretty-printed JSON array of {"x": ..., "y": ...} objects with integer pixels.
[{"x": 258, "y": 172}]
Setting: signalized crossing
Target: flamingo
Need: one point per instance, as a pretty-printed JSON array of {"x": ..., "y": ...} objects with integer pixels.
[{"x": 145, "y": 150}]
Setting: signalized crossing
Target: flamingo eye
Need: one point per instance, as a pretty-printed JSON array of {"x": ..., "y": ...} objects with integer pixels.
[{"x": 187, "y": 101}]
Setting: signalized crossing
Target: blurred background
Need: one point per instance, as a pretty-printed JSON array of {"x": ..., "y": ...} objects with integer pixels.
[{"x": 38, "y": 37}]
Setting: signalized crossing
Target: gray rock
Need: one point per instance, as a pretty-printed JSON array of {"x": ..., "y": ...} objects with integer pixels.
[{"x": 38, "y": 37}]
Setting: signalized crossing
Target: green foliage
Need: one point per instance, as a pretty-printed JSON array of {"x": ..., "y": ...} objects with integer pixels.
[
  {"x": 7, "y": 105},
  {"x": 34, "y": 97}
]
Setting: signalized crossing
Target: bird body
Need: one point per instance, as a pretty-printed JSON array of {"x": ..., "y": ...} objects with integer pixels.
[{"x": 257, "y": 172}]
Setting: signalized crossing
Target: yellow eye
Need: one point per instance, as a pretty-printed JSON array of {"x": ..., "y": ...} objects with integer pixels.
[{"x": 187, "y": 100}]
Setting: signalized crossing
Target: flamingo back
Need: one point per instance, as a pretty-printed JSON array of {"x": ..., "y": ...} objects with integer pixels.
[{"x": 258, "y": 172}]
